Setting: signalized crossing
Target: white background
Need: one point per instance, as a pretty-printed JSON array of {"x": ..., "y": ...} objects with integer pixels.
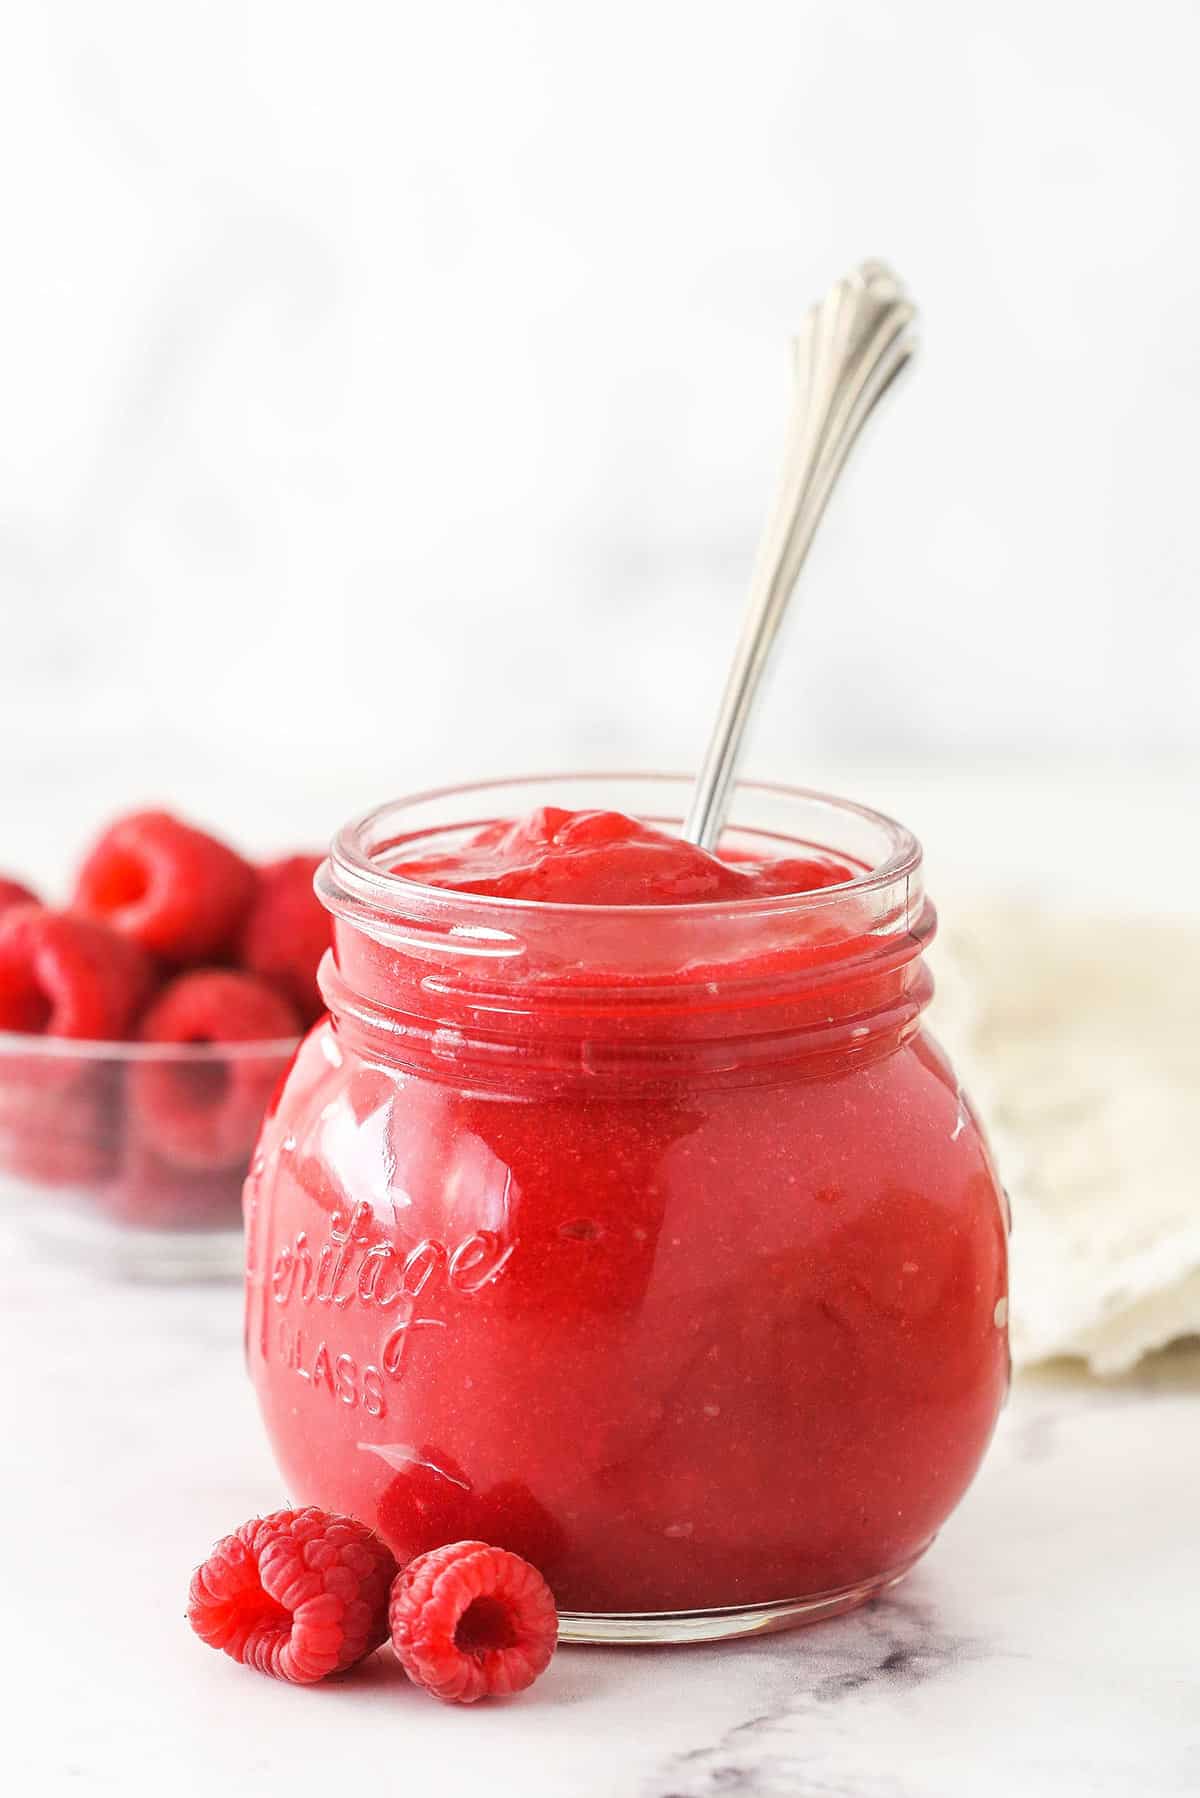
[{"x": 392, "y": 393}]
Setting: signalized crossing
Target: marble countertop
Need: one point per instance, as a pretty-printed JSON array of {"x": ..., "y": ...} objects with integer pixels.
[{"x": 1047, "y": 1645}]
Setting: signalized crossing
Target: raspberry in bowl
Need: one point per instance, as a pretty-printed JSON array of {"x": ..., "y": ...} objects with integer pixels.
[
  {"x": 134, "y": 1075},
  {"x": 623, "y": 1215}
]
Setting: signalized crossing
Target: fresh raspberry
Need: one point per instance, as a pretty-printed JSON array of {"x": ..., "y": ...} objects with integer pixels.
[
  {"x": 287, "y": 932},
  {"x": 169, "y": 887},
  {"x": 299, "y": 1594},
  {"x": 13, "y": 893},
  {"x": 470, "y": 1621},
  {"x": 66, "y": 976},
  {"x": 152, "y": 1193},
  {"x": 206, "y": 1112},
  {"x": 61, "y": 1122}
]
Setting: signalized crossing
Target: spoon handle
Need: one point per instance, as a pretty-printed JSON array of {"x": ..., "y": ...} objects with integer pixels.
[{"x": 848, "y": 350}]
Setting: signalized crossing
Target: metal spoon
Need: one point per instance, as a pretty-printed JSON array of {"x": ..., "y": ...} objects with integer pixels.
[{"x": 848, "y": 350}]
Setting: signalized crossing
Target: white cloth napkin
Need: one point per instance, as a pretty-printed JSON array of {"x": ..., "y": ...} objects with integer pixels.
[{"x": 1078, "y": 1039}]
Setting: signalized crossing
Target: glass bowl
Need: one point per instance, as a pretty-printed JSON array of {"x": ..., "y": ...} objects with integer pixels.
[{"x": 133, "y": 1155}]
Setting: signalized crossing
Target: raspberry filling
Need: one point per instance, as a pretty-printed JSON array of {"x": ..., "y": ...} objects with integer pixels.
[{"x": 607, "y": 858}]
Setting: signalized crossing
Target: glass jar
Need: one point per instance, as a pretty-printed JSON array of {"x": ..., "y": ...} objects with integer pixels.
[{"x": 658, "y": 1244}]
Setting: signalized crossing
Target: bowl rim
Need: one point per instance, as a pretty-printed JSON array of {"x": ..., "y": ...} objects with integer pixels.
[{"x": 79, "y": 1048}]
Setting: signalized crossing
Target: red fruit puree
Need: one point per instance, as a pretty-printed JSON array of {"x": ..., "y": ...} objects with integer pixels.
[
  {"x": 605, "y": 858},
  {"x": 623, "y": 1215}
]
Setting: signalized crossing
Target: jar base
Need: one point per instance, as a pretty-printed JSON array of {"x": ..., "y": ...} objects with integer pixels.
[{"x": 630, "y": 1629}]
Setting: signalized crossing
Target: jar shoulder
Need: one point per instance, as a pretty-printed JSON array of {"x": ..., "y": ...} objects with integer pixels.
[{"x": 415, "y": 1148}]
